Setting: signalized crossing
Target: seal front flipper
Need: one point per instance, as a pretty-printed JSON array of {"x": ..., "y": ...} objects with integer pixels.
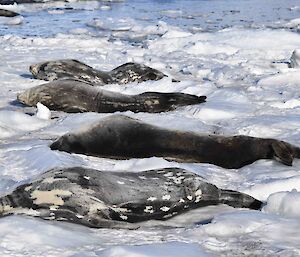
[{"x": 134, "y": 72}]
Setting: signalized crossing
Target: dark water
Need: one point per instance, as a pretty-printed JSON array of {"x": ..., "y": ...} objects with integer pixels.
[{"x": 192, "y": 15}]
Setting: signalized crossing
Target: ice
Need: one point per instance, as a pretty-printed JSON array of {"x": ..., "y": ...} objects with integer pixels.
[
  {"x": 17, "y": 20},
  {"x": 167, "y": 250},
  {"x": 285, "y": 204},
  {"x": 295, "y": 59},
  {"x": 295, "y": 23},
  {"x": 43, "y": 112},
  {"x": 243, "y": 55},
  {"x": 13, "y": 123}
]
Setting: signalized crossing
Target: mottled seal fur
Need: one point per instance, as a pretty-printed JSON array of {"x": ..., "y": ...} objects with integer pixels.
[
  {"x": 68, "y": 68},
  {"x": 103, "y": 199},
  {"x": 122, "y": 137},
  {"x": 7, "y": 13},
  {"x": 11, "y": 2},
  {"x": 71, "y": 95}
]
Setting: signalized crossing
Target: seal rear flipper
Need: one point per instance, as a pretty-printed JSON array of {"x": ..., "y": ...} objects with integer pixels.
[
  {"x": 239, "y": 200},
  {"x": 157, "y": 102},
  {"x": 282, "y": 152},
  {"x": 134, "y": 72}
]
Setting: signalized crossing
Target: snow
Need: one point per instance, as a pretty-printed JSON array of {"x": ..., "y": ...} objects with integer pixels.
[
  {"x": 295, "y": 59},
  {"x": 43, "y": 112},
  {"x": 285, "y": 204},
  {"x": 243, "y": 55},
  {"x": 17, "y": 20}
]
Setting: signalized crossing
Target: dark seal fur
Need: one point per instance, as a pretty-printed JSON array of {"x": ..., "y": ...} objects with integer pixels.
[
  {"x": 102, "y": 199},
  {"x": 68, "y": 68},
  {"x": 7, "y": 13},
  {"x": 71, "y": 95},
  {"x": 122, "y": 137}
]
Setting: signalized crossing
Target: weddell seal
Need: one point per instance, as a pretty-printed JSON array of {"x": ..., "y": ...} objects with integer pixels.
[
  {"x": 121, "y": 137},
  {"x": 68, "y": 68},
  {"x": 71, "y": 95},
  {"x": 103, "y": 199}
]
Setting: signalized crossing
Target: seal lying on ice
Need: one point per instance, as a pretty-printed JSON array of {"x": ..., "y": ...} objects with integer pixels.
[
  {"x": 104, "y": 199},
  {"x": 68, "y": 68},
  {"x": 121, "y": 137},
  {"x": 71, "y": 95}
]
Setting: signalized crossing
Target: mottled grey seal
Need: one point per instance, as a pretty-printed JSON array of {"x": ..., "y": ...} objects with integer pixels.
[
  {"x": 121, "y": 137},
  {"x": 71, "y": 95},
  {"x": 68, "y": 68},
  {"x": 7, "y": 13},
  {"x": 104, "y": 199}
]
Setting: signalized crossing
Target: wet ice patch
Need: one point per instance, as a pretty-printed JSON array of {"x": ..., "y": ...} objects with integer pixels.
[
  {"x": 14, "y": 123},
  {"x": 171, "y": 249},
  {"x": 112, "y": 24}
]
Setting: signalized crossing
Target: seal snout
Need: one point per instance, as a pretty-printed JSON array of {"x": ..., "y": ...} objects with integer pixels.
[
  {"x": 34, "y": 69},
  {"x": 24, "y": 97},
  {"x": 56, "y": 145}
]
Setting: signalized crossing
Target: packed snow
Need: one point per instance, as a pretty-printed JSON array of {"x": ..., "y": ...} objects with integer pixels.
[{"x": 243, "y": 55}]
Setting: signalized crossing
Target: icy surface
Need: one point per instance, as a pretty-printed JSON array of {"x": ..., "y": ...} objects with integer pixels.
[{"x": 238, "y": 53}]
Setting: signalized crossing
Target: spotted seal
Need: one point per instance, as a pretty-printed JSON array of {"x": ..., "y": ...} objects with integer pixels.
[
  {"x": 121, "y": 137},
  {"x": 71, "y": 95},
  {"x": 103, "y": 199},
  {"x": 68, "y": 68}
]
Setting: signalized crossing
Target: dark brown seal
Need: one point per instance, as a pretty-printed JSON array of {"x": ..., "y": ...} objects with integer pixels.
[{"x": 122, "y": 137}]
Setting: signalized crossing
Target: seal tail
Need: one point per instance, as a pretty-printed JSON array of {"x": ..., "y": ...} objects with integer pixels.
[{"x": 239, "y": 200}]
